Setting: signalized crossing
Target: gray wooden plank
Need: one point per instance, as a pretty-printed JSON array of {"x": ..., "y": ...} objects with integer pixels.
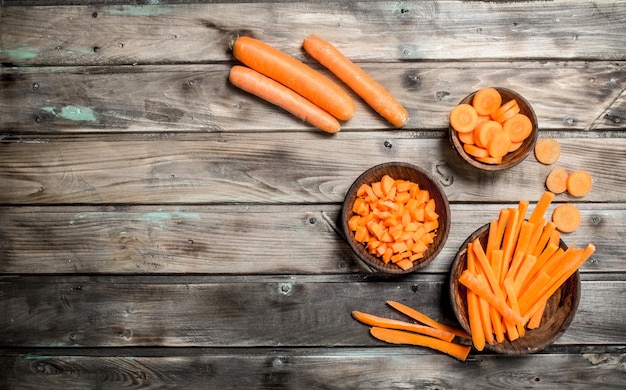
[
  {"x": 239, "y": 240},
  {"x": 388, "y": 31},
  {"x": 268, "y": 168},
  {"x": 375, "y": 368},
  {"x": 574, "y": 95},
  {"x": 289, "y": 312}
]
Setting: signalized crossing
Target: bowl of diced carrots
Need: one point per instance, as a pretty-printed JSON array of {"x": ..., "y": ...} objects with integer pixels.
[
  {"x": 514, "y": 284},
  {"x": 493, "y": 128},
  {"x": 396, "y": 218}
]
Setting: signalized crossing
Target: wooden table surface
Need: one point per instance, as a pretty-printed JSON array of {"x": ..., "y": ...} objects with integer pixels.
[{"x": 160, "y": 228}]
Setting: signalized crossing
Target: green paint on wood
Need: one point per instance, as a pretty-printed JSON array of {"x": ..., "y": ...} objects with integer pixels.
[
  {"x": 17, "y": 55},
  {"x": 73, "y": 113}
]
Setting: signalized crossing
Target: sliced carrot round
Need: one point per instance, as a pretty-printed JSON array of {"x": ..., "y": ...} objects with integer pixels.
[
  {"x": 518, "y": 126},
  {"x": 463, "y": 118},
  {"x": 566, "y": 218},
  {"x": 515, "y": 146},
  {"x": 547, "y": 150},
  {"x": 506, "y": 111},
  {"x": 579, "y": 183},
  {"x": 485, "y": 132},
  {"x": 499, "y": 144},
  {"x": 556, "y": 181},
  {"x": 490, "y": 160},
  {"x": 466, "y": 138},
  {"x": 475, "y": 151},
  {"x": 486, "y": 101}
]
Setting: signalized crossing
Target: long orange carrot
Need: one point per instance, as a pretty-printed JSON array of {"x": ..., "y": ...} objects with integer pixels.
[
  {"x": 381, "y": 322},
  {"x": 358, "y": 80},
  {"x": 267, "y": 89},
  {"x": 424, "y": 319},
  {"x": 477, "y": 328},
  {"x": 541, "y": 207},
  {"x": 295, "y": 75},
  {"x": 458, "y": 351}
]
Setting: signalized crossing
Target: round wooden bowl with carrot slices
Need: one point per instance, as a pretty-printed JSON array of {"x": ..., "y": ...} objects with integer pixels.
[
  {"x": 557, "y": 314},
  {"x": 480, "y": 141},
  {"x": 396, "y": 218}
]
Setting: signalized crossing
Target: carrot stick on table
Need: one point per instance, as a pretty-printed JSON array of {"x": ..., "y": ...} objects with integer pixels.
[
  {"x": 273, "y": 92},
  {"x": 294, "y": 74},
  {"x": 424, "y": 319},
  {"x": 393, "y": 336},
  {"x": 541, "y": 207},
  {"x": 381, "y": 322},
  {"x": 358, "y": 80}
]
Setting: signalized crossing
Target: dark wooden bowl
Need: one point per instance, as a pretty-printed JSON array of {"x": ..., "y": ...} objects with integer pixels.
[
  {"x": 404, "y": 171},
  {"x": 512, "y": 158},
  {"x": 557, "y": 317}
]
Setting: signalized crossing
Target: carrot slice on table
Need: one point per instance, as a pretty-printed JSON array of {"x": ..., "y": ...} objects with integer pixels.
[
  {"x": 381, "y": 322},
  {"x": 579, "y": 183},
  {"x": 486, "y": 101},
  {"x": 547, "y": 150},
  {"x": 295, "y": 75},
  {"x": 566, "y": 217},
  {"x": 556, "y": 181},
  {"x": 273, "y": 92},
  {"x": 358, "y": 80},
  {"x": 463, "y": 118},
  {"x": 518, "y": 126},
  {"x": 393, "y": 336}
]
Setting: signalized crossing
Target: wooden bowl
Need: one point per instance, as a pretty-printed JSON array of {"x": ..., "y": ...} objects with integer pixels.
[
  {"x": 557, "y": 317},
  {"x": 404, "y": 171},
  {"x": 512, "y": 158}
]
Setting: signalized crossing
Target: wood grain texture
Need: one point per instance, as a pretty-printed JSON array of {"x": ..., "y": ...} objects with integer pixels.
[
  {"x": 287, "y": 312},
  {"x": 579, "y": 96},
  {"x": 198, "y": 33},
  {"x": 354, "y": 368},
  {"x": 223, "y": 168}
]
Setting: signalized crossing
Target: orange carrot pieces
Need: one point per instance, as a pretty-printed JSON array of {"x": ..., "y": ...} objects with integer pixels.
[
  {"x": 541, "y": 207},
  {"x": 486, "y": 101},
  {"x": 486, "y": 132},
  {"x": 556, "y": 181},
  {"x": 370, "y": 319},
  {"x": 547, "y": 151},
  {"x": 426, "y": 320},
  {"x": 483, "y": 290},
  {"x": 475, "y": 150},
  {"x": 296, "y": 75},
  {"x": 393, "y": 336},
  {"x": 273, "y": 92},
  {"x": 519, "y": 127},
  {"x": 512, "y": 297},
  {"x": 359, "y": 81},
  {"x": 579, "y": 183},
  {"x": 566, "y": 217},
  {"x": 463, "y": 118},
  {"x": 478, "y": 329},
  {"x": 535, "y": 320},
  {"x": 506, "y": 111},
  {"x": 499, "y": 144}
]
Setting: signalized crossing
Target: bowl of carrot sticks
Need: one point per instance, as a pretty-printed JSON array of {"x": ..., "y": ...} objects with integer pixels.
[
  {"x": 514, "y": 283},
  {"x": 493, "y": 128},
  {"x": 396, "y": 218}
]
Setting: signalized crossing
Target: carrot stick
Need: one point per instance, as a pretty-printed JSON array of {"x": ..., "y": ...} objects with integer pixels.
[
  {"x": 541, "y": 207},
  {"x": 474, "y": 307},
  {"x": 535, "y": 236},
  {"x": 512, "y": 297},
  {"x": 267, "y": 89},
  {"x": 401, "y": 337},
  {"x": 503, "y": 219},
  {"x": 482, "y": 289},
  {"x": 543, "y": 239},
  {"x": 359, "y": 81},
  {"x": 523, "y": 272},
  {"x": 485, "y": 320},
  {"x": 491, "y": 240},
  {"x": 296, "y": 75},
  {"x": 424, "y": 319},
  {"x": 535, "y": 320},
  {"x": 370, "y": 319},
  {"x": 486, "y": 267},
  {"x": 508, "y": 243},
  {"x": 523, "y": 240}
]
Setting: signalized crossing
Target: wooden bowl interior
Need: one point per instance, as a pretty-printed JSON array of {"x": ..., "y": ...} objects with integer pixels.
[
  {"x": 557, "y": 317},
  {"x": 403, "y": 171},
  {"x": 513, "y": 158}
]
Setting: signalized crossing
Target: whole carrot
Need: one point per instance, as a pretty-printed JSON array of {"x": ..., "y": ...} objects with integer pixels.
[
  {"x": 295, "y": 75},
  {"x": 360, "y": 82},
  {"x": 255, "y": 83}
]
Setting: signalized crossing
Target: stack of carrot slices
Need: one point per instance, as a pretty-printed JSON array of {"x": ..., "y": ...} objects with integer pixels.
[
  {"x": 396, "y": 219},
  {"x": 489, "y": 129},
  {"x": 510, "y": 279}
]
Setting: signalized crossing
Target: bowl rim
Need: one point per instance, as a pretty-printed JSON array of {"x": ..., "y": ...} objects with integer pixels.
[
  {"x": 528, "y": 144},
  {"x": 508, "y": 347},
  {"x": 373, "y": 262}
]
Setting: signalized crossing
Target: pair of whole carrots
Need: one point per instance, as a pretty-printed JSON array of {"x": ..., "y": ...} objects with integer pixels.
[{"x": 306, "y": 93}]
